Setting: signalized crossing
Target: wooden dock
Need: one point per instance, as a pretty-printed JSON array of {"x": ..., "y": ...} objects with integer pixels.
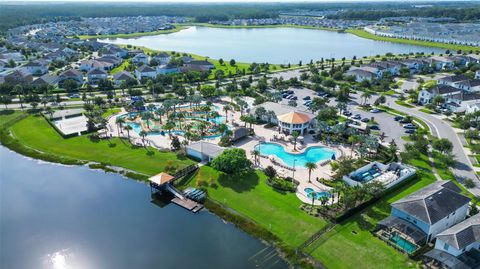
[{"x": 188, "y": 204}]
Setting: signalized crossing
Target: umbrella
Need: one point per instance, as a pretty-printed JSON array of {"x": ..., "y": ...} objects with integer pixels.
[
  {"x": 300, "y": 138},
  {"x": 333, "y": 157}
]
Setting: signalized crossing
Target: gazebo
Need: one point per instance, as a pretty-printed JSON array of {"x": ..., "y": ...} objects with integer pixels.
[
  {"x": 160, "y": 180},
  {"x": 294, "y": 121}
]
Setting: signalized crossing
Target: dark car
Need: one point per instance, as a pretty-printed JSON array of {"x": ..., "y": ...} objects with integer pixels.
[
  {"x": 290, "y": 92},
  {"x": 404, "y": 121},
  {"x": 365, "y": 120},
  {"x": 347, "y": 113},
  {"x": 294, "y": 98},
  {"x": 374, "y": 127},
  {"x": 307, "y": 98},
  {"x": 397, "y": 118},
  {"x": 410, "y": 131},
  {"x": 357, "y": 117}
]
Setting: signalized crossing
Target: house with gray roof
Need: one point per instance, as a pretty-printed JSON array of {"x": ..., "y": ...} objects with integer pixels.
[
  {"x": 361, "y": 74},
  {"x": 145, "y": 71},
  {"x": 204, "y": 151},
  {"x": 47, "y": 79},
  {"x": 421, "y": 216},
  {"x": 71, "y": 74},
  {"x": 448, "y": 92},
  {"x": 122, "y": 77},
  {"x": 94, "y": 76},
  {"x": 457, "y": 247}
]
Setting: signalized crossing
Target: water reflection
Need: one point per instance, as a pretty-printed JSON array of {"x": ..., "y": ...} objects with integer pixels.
[{"x": 71, "y": 217}]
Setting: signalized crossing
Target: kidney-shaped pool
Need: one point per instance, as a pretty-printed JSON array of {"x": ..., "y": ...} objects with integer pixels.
[{"x": 311, "y": 154}]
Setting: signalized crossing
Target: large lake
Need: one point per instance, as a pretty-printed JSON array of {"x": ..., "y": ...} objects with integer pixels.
[
  {"x": 272, "y": 45},
  {"x": 71, "y": 217}
]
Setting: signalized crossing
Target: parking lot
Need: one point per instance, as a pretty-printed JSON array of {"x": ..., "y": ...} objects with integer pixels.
[{"x": 386, "y": 123}]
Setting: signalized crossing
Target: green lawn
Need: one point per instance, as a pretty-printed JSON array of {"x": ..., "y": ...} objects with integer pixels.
[
  {"x": 36, "y": 133},
  {"x": 364, "y": 34},
  {"x": 251, "y": 197},
  {"x": 403, "y": 103},
  {"x": 351, "y": 244},
  {"x": 111, "y": 111},
  {"x": 121, "y": 67}
]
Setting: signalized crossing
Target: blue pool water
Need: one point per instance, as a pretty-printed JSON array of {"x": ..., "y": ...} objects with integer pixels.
[
  {"x": 311, "y": 154},
  {"x": 318, "y": 195},
  {"x": 402, "y": 243}
]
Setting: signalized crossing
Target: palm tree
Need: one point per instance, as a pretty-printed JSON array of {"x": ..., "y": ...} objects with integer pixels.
[
  {"x": 310, "y": 166},
  {"x": 366, "y": 95},
  {"x": 169, "y": 127},
  {"x": 143, "y": 134},
  {"x": 295, "y": 135},
  {"x": 119, "y": 121},
  {"x": 226, "y": 108},
  {"x": 128, "y": 128},
  {"x": 255, "y": 154}
]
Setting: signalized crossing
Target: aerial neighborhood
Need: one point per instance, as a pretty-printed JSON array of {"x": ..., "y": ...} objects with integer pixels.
[{"x": 326, "y": 156}]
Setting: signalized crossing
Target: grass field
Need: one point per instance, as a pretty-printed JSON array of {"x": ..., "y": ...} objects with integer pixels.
[
  {"x": 251, "y": 197},
  {"x": 364, "y": 34},
  {"x": 159, "y": 32},
  {"x": 36, "y": 133},
  {"x": 351, "y": 244}
]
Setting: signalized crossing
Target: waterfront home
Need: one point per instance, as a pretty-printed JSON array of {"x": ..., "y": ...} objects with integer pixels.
[
  {"x": 94, "y": 76},
  {"x": 452, "y": 80},
  {"x": 361, "y": 74},
  {"x": 388, "y": 174},
  {"x": 140, "y": 58},
  {"x": 457, "y": 247},
  {"x": 145, "y": 71},
  {"x": 18, "y": 77},
  {"x": 169, "y": 68},
  {"x": 449, "y": 93},
  {"x": 419, "y": 217},
  {"x": 186, "y": 59},
  {"x": 37, "y": 67},
  {"x": 112, "y": 50},
  {"x": 162, "y": 58},
  {"x": 414, "y": 65},
  {"x": 386, "y": 66},
  {"x": 204, "y": 151},
  {"x": 441, "y": 62},
  {"x": 87, "y": 65},
  {"x": 203, "y": 66},
  {"x": 122, "y": 77},
  {"x": 47, "y": 79},
  {"x": 71, "y": 74}
]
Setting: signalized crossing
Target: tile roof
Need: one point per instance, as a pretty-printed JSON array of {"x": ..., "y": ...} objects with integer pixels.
[{"x": 462, "y": 234}]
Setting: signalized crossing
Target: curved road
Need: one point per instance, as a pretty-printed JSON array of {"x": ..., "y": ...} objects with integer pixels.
[{"x": 463, "y": 169}]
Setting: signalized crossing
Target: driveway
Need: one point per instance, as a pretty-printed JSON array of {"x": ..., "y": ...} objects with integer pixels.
[{"x": 463, "y": 169}]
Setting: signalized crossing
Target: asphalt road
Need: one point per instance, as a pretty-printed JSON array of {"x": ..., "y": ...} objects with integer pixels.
[{"x": 463, "y": 169}]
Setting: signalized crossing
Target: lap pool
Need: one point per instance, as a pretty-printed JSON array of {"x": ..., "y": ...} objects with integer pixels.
[{"x": 311, "y": 154}]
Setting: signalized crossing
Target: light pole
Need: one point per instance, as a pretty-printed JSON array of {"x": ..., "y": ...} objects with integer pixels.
[{"x": 293, "y": 172}]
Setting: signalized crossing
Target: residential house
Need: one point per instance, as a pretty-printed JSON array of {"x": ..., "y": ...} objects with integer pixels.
[
  {"x": 470, "y": 85},
  {"x": 167, "y": 69},
  {"x": 452, "y": 80},
  {"x": 414, "y": 65},
  {"x": 203, "y": 66},
  {"x": 145, "y": 71},
  {"x": 186, "y": 59},
  {"x": 47, "y": 79},
  {"x": 94, "y": 76},
  {"x": 441, "y": 62},
  {"x": 361, "y": 75},
  {"x": 122, "y": 77},
  {"x": 18, "y": 77},
  {"x": 162, "y": 58},
  {"x": 472, "y": 106},
  {"x": 421, "y": 216},
  {"x": 457, "y": 247},
  {"x": 386, "y": 66},
  {"x": 71, "y": 74},
  {"x": 449, "y": 93},
  {"x": 140, "y": 58},
  {"x": 87, "y": 65},
  {"x": 112, "y": 50},
  {"x": 37, "y": 67}
]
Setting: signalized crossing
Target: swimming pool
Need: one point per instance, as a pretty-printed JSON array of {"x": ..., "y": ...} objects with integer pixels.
[
  {"x": 311, "y": 154},
  {"x": 403, "y": 244},
  {"x": 318, "y": 195}
]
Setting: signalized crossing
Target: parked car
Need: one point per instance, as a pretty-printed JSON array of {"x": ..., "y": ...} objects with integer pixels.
[
  {"x": 294, "y": 98},
  {"x": 409, "y": 126},
  {"x": 365, "y": 120},
  {"x": 290, "y": 96},
  {"x": 397, "y": 118},
  {"x": 374, "y": 127},
  {"x": 375, "y": 110},
  {"x": 307, "y": 103},
  {"x": 410, "y": 131},
  {"x": 290, "y": 92},
  {"x": 284, "y": 95},
  {"x": 347, "y": 113},
  {"x": 357, "y": 116},
  {"x": 307, "y": 98},
  {"x": 404, "y": 120}
]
